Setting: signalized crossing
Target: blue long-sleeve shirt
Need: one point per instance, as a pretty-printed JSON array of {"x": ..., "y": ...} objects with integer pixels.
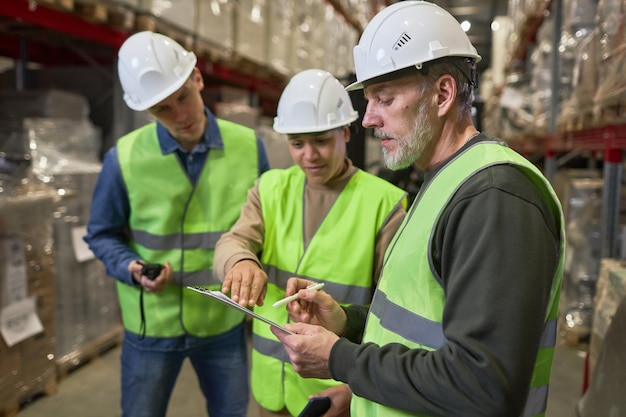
[{"x": 110, "y": 209}]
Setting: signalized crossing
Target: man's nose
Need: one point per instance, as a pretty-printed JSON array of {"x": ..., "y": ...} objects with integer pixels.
[
  {"x": 370, "y": 118},
  {"x": 310, "y": 151}
]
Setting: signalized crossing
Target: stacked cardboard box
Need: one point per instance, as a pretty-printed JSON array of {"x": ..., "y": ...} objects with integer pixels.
[{"x": 27, "y": 294}]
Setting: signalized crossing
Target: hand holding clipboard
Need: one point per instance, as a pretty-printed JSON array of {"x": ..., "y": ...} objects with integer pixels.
[{"x": 224, "y": 299}]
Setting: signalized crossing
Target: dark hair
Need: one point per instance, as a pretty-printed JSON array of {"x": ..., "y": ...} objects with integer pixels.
[{"x": 463, "y": 70}]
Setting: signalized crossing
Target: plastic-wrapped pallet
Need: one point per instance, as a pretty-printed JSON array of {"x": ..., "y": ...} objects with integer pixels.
[
  {"x": 308, "y": 15},
  {"x": 16, "y": 105},
  {"x": 605, "y": 394},
  {"x": 348, "y": 37},
  {"x": 281, "y": 18},
  {"x": 582, "y": 202},
  {"x": 215, "y": 22},
  {"x": 64, "y": 146},
  {"x": 582, "y": 210},
  {"x": 334, "y": 30},
  {"x": 180, "y": 13},
  {"x": 576, "y": 111},
  {"x": 88, "y": 318},
  {"x": 27, "y": 292},
  {"x": 251, "y": 30},
  {"x": 610, "y": 291},
  {"x": 610, "y": 98},
  {"x": 65, "y": 156},
  {"x": 577, "y": 47}
]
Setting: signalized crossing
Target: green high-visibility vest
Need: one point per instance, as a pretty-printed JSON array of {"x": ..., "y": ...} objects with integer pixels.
[
  {"x": 173, "y": 220},
  {"x": 340, "y": 254},
  {"x": 419, "y": 299}
]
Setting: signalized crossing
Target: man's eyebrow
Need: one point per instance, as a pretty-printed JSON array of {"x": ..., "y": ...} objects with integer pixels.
[
  {"x": 373, "y": 90},
  {"x": 303, "y": 136}
]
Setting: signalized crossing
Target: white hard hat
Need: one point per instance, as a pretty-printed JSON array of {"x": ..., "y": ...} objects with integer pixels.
[
  {"x": 313, "y": 101},
  {"x": 151, "y": 67},
  {"x": 406, "y": 34}
]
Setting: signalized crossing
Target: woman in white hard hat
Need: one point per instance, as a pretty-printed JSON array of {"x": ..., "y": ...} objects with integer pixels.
[
  {"x": 323, "y": 219},
  {"x": 164, "y": 195},
  {"x": 463, "y": 321}
]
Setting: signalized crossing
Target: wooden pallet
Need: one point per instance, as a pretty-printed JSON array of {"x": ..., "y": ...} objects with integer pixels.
[
  {"x": 116, "y": 16},
  {"x": 252, "y": 68},
  {"x": 609, "y": 113},
  {"x": 211, "y": 51},
  {"x": 583, "y": 119},
  {"x": 45, "y": 388},
  {"x": 88, "y": 353},
  {"x": 65, "y": 5}
]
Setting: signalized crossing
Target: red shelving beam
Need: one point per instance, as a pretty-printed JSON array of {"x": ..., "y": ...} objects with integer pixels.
[
  {"x": 602, "y": 138},
  {"x": 45, "y": 17}
]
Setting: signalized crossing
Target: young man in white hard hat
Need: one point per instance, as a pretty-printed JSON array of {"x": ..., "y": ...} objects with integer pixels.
[
  {"x": 463, "y": 321},
  {"x": 323, "y": 219},
  {"x": 165, "y": 194}
]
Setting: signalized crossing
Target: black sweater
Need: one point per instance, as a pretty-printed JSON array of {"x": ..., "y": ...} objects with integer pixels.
[{"x": 496, "y": 249}]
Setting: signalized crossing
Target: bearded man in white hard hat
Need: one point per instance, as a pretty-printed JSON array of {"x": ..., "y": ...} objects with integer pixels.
[
  {"x": 463, "y": 321},
  {"x": 165, "y": 194},
  {"x": 323, "y": 219}
]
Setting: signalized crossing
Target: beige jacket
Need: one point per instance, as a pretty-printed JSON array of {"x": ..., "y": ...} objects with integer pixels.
[{"x": 245, "y": 238}]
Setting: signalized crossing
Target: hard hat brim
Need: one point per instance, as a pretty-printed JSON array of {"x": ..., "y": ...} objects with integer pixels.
[{"x": 394, "y": 75}]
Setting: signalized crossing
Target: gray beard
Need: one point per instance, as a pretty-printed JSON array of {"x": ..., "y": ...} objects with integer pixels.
[{"x": 411, "y": 147}]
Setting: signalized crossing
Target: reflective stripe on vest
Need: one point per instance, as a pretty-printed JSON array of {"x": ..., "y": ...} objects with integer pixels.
[
  {"x": 332, "y": 256},
  {"x": 348, "y": 294},
  {"x": 426, "y": 332},
  {"x": 412, "y": 314},
  {"x": 162, "y": 199}
]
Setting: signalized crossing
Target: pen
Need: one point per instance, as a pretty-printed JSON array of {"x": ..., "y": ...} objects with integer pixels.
[{"x": 294, "y": 297}]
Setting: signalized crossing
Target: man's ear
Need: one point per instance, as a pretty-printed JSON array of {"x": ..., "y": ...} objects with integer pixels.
[
  {"x": 446, "y": 93},
  {"x": 347, "y": 133},
  {"x": 197, "y": 77}
]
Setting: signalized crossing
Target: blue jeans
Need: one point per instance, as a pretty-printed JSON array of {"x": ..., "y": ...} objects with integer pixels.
[{"x": 151, "y": 365}]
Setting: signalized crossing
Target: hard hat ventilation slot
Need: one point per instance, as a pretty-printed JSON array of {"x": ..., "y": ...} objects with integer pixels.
[
  {"x": 402, "y": 41},
  {"x": 339, "y": 104}
]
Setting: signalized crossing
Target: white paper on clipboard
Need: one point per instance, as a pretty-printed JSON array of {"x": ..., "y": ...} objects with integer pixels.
[{"x": 223, "y": 298}]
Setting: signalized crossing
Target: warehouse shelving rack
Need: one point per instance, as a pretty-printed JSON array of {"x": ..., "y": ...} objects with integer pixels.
[
  {"x": 50, "y": 35},
  {"x": 607, "y": 140},
  {"x": 610, "y": 140}
]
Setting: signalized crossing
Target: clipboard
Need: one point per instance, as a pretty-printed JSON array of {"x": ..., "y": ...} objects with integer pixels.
[{"x": 224, "y": 299}]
